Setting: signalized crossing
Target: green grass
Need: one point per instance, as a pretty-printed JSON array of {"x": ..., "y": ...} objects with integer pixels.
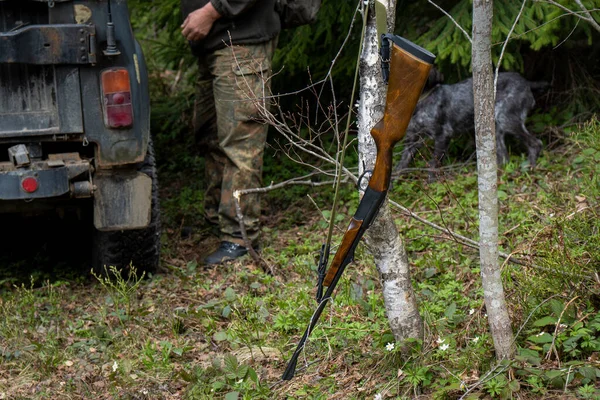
[{"x": 226, "y": 332}]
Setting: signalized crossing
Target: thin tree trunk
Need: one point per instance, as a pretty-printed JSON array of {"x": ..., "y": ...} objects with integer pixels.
[
  {"x": 487, "y": 168},
  {"x": 382, "y": 238}
]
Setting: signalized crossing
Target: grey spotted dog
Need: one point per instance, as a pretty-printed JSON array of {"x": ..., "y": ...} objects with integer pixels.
[{"x": 447, "y": 111}]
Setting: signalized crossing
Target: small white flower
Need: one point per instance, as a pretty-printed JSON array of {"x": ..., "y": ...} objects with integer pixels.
[
  {"x": 115, "y": 366},
  {"x": 440, "y": 340},
  {"x": 485, "y": 315},
  {"x": 444, "y": 347},
  {"x": 389, "y": 346},
  {"x": 540, "y": 334},
  {"x": 471, "y": 311},
  {"x": 476, "y": 339},
  {"x": 463, "y": 386},
  {"x": 378, "y": 396},
  {"x": 563, "y": 326}
]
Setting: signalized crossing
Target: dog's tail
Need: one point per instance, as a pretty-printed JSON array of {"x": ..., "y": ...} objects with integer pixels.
[{"x": 539, "y": 86}]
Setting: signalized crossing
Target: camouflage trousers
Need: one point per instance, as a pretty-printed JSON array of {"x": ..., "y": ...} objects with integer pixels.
[{"x": 230, "y": 92}]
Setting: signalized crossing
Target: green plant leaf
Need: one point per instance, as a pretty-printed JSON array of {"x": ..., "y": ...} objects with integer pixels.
[
  {"x": 230, "y": 363},
  {"x": 543, "y": 338},
  {"x": 588, "y": 372},
  {"x": 252, "y": 375},
  {"x": 514, "y": 385},
  {"x": 230, "y": 294},
  {"x": 226, "y": 311},
  {"x": 549, "y": 320},
  {"x": 232, "y": 396},
  {"x": 242, "y": 371},
  {"x": 450, "y": 311},
  {"x": 553, "y": 373},
  {"x": 177, "y": 351}
]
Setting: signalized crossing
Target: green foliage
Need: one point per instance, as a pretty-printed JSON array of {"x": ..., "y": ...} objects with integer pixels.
[
  {"x": 541, "y": 25},
  {"x": 308, "y": 52},
  {"x": 496, "y": 386},
  {"x": 227, "y": 378},
  {"x": 172, "y": 73}
]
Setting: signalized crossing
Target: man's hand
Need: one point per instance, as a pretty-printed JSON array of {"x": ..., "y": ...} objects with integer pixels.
[{"x": 197, "y": 25}]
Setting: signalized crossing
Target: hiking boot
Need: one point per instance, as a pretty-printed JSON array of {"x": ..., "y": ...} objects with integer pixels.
[{"x": 226, "y": 251}]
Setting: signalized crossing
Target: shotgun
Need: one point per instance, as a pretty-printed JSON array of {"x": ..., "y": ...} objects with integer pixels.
[{"x": 405, "y": 71}]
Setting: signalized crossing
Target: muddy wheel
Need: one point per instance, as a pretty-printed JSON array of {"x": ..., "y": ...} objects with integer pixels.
[{"x": 139, "y": 248}]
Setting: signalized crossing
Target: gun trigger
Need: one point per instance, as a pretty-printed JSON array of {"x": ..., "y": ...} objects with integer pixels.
[{"x": 365, "y": 172}]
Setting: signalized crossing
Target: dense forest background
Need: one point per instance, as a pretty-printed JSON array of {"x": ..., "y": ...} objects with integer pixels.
[{"x": 546, "y": 44}]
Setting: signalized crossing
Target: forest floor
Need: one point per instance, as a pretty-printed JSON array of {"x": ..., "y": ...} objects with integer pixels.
[{"x": 191, "y": 332}]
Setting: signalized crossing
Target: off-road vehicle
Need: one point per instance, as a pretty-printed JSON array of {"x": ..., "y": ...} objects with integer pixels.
[{"x": 74, "y": 124}]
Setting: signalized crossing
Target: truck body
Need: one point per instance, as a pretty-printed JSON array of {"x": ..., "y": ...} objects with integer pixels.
[{"x": 74, "y": 122}]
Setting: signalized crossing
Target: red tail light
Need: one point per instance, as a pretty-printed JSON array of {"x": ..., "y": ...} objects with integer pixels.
[
  {"x": 29, "y": 184},
  {"x": 116, "y": 92}
]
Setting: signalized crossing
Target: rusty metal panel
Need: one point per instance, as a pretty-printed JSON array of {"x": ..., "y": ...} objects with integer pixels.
[
  {"x": 27, "y": 99},
  {"x": 49, "y": 44},
  {"x": 39, "y": 100},
  {"x": 122, "y": 200}
]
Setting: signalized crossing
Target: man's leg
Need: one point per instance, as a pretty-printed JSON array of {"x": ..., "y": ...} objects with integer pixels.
[
  {"x": 205, "y": 131},
  {"x": 240, "y": 86}
]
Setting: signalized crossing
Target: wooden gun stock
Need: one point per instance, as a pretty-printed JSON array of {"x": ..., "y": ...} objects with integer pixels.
[
  {"x": 406, "y": 82},
  {"x": 409, "y": 69}
]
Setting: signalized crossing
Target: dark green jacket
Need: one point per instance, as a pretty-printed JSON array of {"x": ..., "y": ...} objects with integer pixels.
[{"x": 247, "y": 21}]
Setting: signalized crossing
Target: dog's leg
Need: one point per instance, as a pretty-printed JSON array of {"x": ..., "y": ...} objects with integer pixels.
[
  {"x": 501, "y": 152},
  {"x": 440, "y": 148},
  {"x": 412, "y": 143},
  {"x": 533, "y": 144}
]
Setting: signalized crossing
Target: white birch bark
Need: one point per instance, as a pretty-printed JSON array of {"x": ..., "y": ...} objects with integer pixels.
[
  {"x": 487, "y": 169},
  {"x": 382, "y": 238}
]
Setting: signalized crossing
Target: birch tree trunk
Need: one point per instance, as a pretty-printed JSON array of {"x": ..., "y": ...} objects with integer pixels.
[
  {"x": 487, "y": 168},
  {"x": 382, "y": 238}
]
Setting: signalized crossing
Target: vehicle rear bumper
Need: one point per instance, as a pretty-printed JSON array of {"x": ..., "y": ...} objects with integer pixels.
[
  {"x": 122, "y": 197},
  {"x": 54, "y": 178}
]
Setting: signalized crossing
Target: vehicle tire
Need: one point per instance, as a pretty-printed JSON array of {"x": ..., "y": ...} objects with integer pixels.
[{"x": 139, "y": 248}]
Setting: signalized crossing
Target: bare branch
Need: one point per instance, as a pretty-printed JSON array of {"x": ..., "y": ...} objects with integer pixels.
[
  {"x": 452, "y": 19},
  {"x": 293, "y": 181},
  {"x": 512, "y": 28},
  {"x": 590, "y": 19}
]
